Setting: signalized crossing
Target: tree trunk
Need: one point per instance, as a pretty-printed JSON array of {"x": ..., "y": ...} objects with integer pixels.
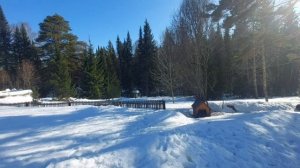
[
  {"x": 264, "y": 68},
  {"x": 254, "y": 72},
  {"x": 172, "y": 92}
]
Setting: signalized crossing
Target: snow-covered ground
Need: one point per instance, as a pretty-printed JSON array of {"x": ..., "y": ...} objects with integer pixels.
[{"x": 261, "y": 135}]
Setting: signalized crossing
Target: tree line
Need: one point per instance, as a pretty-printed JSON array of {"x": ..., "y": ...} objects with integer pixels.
[
  {"x": 57, "y": 64},
  {"x": 233, "y": 48},
  {"x": 230, "y": 48}
]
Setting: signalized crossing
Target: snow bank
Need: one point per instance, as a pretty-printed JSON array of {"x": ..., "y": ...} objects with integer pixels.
[
  {"x": 8, "y": 92},
  {"x": 252, "y": 105},
  {"x": 243, "y": 105},
  {"x": 15, "y": 96}
]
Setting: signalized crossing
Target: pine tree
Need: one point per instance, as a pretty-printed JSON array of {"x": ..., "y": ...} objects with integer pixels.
[
  {"x": 285, "y": 63},
  {"x": 56, "y": 46},
  {"x": 216, "y": 64},
  {"x": 54, "y": 36},
  {"x": 228, "y": 57},
  {"x": 74, "y": 59}
]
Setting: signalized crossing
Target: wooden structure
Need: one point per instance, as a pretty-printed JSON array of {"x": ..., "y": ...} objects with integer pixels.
[
  {"x": 136, "y": 93},
  {"x": 201, "y": 108},
  {"x": 149, "y": 104},
  {"x": 297, "y": 109}
]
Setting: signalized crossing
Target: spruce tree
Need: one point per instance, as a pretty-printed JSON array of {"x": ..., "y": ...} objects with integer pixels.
[
  {"x": 137, "y": 62},
  {"x": 147, "y": 60},
  {"x": 5, "y": 43},
  {"x": 28, "y": 49},
  {"x": 98, "y": 77},
  {"x": 93, "y": 75},
  {"x": 18, "y": 51},
  {"x": 76, "y": 63},
  {"x": 128, "y": 64},
  {"x": 102, "y": 59},
  {"x": 120, "y": 52},
  {"x": 23, "y": 49},
  {"x": 115, "y": 62},
  {"x": 60, "y": 79},
  {"x": 125, "y": 54},
  {"x": 87, "y": 61},
  {"x": 111, "y": 77}
]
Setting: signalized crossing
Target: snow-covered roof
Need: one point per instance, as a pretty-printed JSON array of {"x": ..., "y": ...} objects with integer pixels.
[{"x": 15, "y": 96}]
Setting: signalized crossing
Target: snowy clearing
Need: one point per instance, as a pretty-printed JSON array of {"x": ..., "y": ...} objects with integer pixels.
[{"x": 262, "y": 135}]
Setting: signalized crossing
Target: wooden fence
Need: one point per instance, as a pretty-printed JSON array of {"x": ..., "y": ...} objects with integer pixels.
[
  {"x": 16, "y": 104},
  {"x": 150, "y": 104}
]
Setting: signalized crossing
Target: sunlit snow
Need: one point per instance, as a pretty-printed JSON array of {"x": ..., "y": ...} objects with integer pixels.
[{"x": 261, "y": 135}]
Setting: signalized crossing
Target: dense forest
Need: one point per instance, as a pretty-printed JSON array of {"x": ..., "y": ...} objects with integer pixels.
[{"x": 243, "y": 48}]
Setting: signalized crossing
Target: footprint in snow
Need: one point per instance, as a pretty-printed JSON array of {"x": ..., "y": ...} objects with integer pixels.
[
  {"x": 268, "y": 144},
  {"x": 291, "y": 142},
  {"x": 189, "y": 158},
  {"x": 190, "y": 163},
  {"x": 238, "y": 146},
  {"x": 162, "y": 145},
  {"x": 165, "y": 147}
]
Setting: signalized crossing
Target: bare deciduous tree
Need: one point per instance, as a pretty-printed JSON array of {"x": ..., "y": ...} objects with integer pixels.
[
  {"x": 194, "y": 26},
  {"x": 166, "y": 72},
  {"x": 5, "y": 81},
  {"x": 26, "y": 74}
]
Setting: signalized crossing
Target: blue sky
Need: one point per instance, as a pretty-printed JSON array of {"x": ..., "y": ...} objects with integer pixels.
[{"x": 99, "y": 20}]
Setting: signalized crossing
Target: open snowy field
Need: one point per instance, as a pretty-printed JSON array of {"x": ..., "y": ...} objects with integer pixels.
[{"x": 260, "y": 135}]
